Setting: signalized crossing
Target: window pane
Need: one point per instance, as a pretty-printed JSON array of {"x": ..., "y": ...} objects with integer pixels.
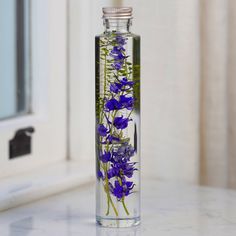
[{"x": 14, "y": 58}]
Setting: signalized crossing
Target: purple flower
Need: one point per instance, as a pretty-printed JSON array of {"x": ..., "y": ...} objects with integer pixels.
[
  {"x": 119, "y": 57},
  {"x": 126, "y": 102},
  {"x": 117, "y": 65},
  {"x": 125, "y": 82},
  {"x": 115, "y": 87},
  {"x": 123, "y": 153},
  {"x": 105, "y": 157},
  {"x": 121, "y": 169},
  {"x": 117, "y": 53},
  {"x": 112, "y": 139},
  {"x": 113, "y": 172},
  {"x": 117, "y": 49},
  {"x": 117, "y": 190},
  {"x": 120, "y": 40},
  {"x": 120, "y": 162},
  {"x": 100, "y": 174},
  {"x": 128, "y": 169},
  {"x": 112, "y": 105},
  {"x": 102, "y": 130},
  {"x": 127, "y": 187},
  {"x": 121, "y": 190},
  {"x": 120, "y": 122}
]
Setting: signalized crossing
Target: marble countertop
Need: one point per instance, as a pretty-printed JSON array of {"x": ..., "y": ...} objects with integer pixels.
[{"x": 168, "y": 209}]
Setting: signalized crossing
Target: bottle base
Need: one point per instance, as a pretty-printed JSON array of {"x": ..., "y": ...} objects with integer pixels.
[{"x": 117, "y": 222}]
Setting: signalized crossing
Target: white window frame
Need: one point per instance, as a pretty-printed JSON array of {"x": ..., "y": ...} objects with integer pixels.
[
  {"x": 69, "y": 63},
  {"x": 49, "y": 70}
]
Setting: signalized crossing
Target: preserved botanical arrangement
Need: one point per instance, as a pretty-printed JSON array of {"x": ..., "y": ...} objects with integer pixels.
[{"x": 117, "y": 115}]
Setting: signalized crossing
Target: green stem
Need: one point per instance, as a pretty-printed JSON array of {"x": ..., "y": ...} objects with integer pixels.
[
  {"x": 109, "y": 199},
  {"x": 113, "y": 206},
  {"x": 108, "y": 203},
  {"x": 129, "y": 114},
  {"x": 123, "y": 198},
  {"x": 105, "y": 75},
  {"x": 125, "y": 208}
]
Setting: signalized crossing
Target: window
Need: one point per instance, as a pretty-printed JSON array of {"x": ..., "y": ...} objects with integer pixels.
[
  {"x": 14, "y": 58},
  {"x": 33, "y": 81}
]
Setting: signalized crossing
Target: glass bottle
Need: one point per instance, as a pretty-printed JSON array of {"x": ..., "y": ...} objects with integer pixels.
[{"x": 117, "y": 121}]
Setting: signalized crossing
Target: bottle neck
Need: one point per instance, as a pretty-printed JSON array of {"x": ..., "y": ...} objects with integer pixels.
[{"x": 117, "y": 25}]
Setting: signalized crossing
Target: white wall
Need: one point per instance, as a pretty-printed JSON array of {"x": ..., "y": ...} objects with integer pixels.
[{"x": 170, "y": 64}]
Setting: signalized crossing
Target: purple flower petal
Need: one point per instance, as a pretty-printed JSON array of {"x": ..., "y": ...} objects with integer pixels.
[
  {"x": 127, "y": 102},
  {"x": 120, "y": 122},
  {"x": 99, "y": 174},
  {"x": 105, "y": 157},
  {"x": 102, "y": 130},
  {"x": 113, "y": 104}
]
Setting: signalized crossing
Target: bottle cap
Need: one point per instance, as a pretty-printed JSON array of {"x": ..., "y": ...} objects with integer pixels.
[{"x": 117, "y": 12}]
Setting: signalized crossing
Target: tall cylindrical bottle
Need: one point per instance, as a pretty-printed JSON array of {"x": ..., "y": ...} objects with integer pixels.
[{"x": 117, "y": 121}]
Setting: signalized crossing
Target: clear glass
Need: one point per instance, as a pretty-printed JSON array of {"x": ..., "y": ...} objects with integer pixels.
[
  {"x": 117, "y": 125},
  {"x": 14, "y": 58}
]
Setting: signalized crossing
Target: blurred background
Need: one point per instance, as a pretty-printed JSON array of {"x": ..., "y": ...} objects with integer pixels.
[{"x": 188, "y": 83}]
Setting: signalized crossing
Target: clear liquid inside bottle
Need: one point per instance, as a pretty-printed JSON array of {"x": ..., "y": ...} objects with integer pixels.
[{"x": 117, "y": 125}]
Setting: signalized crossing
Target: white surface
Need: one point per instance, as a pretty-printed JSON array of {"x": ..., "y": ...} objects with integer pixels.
[
  {"x": 167, "y": 210},
  {"x": 43, "y": 182},
  {"x": 49, "y": 84}
]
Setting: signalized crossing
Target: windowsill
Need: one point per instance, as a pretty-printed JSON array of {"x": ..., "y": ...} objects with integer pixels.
[
  {"x": 44, "y": 182},
  {"x": 167, "y": 209}
]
